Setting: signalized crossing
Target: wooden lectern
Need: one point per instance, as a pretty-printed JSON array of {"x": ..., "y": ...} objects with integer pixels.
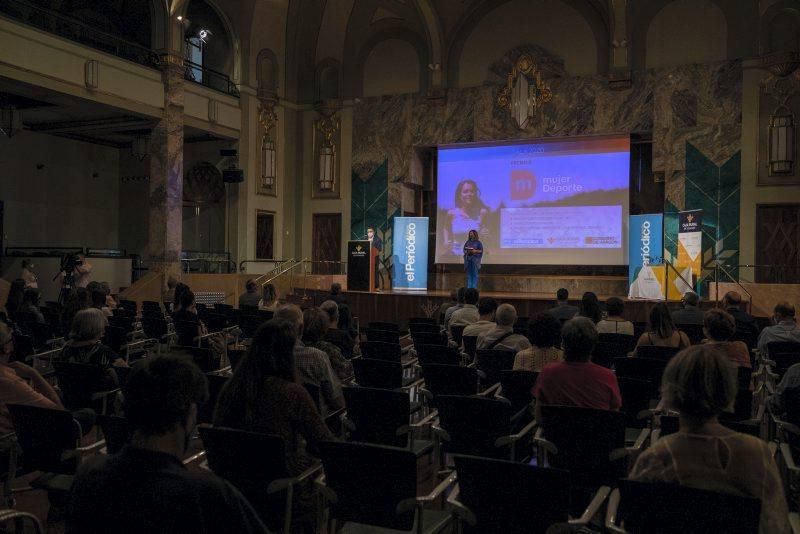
[{"x": 360, "y": 265}]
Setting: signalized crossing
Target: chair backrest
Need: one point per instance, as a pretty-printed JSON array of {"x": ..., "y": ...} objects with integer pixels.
[
  {"x": 612, "y": 346},
  {"x": 222, "y": 308},
  {"x": 640, "y": 369},
  {"x": 450, "y": 379},
  {"x": 155, "y": 327},
  {"x": 116, "y": 431},
  {"x": 658, "y": 507},
  {"x": 656, "y": 353},
  {"x": 784, "y": 354},
  {"x": 379, "y": 374},
  {"x": 129, "y": 305},
  {"x": 369, "y": 482},
  {"x": 446, "y": 355},
  {"x": 215, "y": 384},
  {"x": 206, "y": 359},
  {"x": 693, "y": 331},
  {"x": 249, "y": 323},
  {"x": 250, "y": 461},
  {"x": 381, "y": 325},
  {"x": 457, "y": 333},
  {"x": 473, "y": 424},
  {"x": 624, "y": 341},
  {"x": 585, "y": 438},
  {"x": 428, "y": 338},
  {"x": 381, "y": 350},
  {"x": 216, "y": 322},
  {"x": 377, "y": 414},
  {"x": 744, "y": 376},
  {"x": 186, "y": 331},
  {"x": 516, "y": 386},
  {"x": 423, "y": 328},
  {"x": 23, "y": 347},
  {"x": 470, "y": 345},
  {"x": 387, "y": 336},
  {"x": 115, "y": 338},
  {"x": 44, "y": 435},
  {"x": 487, "y": 484},
  {"x": 126, "y": 323},
  {"x": 492, "y": 361},
  {"x": 636, "y": 397},
  {"x": 235, "y": 357},
  {"x": 417, "y": 320},
  {"x": 78, "y": 382},
  {"x": 21, "y": 521}
]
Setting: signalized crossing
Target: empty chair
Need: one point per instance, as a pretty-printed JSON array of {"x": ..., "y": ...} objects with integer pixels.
[
  {"x": 479, "y": 426},
  {"x": 157, "y": 328},
  {"x": 470, "y": 345},
  {"x": 449, "y": 380},
  {"x": 125, "y": 323},
  {"x": 248, "y": 324},
  {"x": 656, "y": 353},
  {"x": 383, "y": 417},
  {"x": 84, "y": 384},
  {"x": 216, "y": 322},
  {"x": 418, "y": 320},
  {"x": 693, "y": 331},
  {"x": 380, "y": 350},
  {"x": 491, "y": 361},
  {"x": 379, "y": 325},
  {"x": 485, "y": 504},
  {"x": 222, "y": 308},
  {"x": 423, "y": 328},
  {"x": 516, "y": 386},
  {"x": 641, "y": 369},
  {"x": 610, "y": 346},
  {"x": 658, "y": 507},
  {"x": 216, "y": 382},
  {"x": 446, "y": 355},
  {"x": 376, "y": 486},
  {"x": 625, "y": 342},
  {"x": 784, "y": 354},
  {"x": 636, "y": 398},
  {"x": 428, "y": 338},
  {"x": 115, "y": 338},
  {"x": 457, "y": 333},
  {"x": 385, "y": 336},
  {"x": 379, "y": 374}
]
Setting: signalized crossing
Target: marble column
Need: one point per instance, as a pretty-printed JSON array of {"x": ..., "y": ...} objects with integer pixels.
[{"x": 166, "y": 174}]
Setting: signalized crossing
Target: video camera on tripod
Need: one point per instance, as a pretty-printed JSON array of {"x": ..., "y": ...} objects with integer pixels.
[{"x": 68, "y": 264}]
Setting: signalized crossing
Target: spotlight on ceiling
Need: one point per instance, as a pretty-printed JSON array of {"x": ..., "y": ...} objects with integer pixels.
[{"x": 203, "y": 34}]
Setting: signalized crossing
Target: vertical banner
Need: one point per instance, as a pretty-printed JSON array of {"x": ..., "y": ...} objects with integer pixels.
[
  {"x": 645, "y": 246},
  {"x": 410, "y": 253},
  {"x": 690, "y": 241}
]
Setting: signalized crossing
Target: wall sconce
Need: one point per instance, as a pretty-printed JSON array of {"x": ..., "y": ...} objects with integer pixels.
[
  {"x": 781, "y": 141},
  {"x": 10, "y": 119},
  {"x": 139, "y": 147},
  {"x": 525, "y": 91},
  {"x": 328, "y": 126},
  {"x": 268, "y": 118}
]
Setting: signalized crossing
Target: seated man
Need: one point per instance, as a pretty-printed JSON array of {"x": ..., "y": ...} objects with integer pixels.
[
  {"x": 784, "y": 329},
  {"x": 690, "y": 313},
  {"x": 563, "y": 311},
  {"x": 502, "y": 336},
  {"x": 786, "y": 392},
  {"x": 444, "y": 306},
  {"x": 251, "y": 297},
  {"x": 312, "y": 365},
  {"x": 459, "y": 304},
  {"x": 146, "y": 488},
  {"x": 469, "y": 313},
  {"x": 577, "y": 381},
  {"x": 732, "y": 302},
  {"x": 334, "y": 334},
  {"x": 487, "y": 307}
]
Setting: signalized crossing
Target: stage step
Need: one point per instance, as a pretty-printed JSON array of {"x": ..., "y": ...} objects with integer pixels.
[{"x": 547, "y": 284}]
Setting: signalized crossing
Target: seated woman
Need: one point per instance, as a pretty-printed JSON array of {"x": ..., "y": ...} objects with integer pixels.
[
  {"x": 719, "y": 327},
  {"x": 269, "y": 299},
  {"x": 315, "y": 324},
  {"x": 85, "y": 345},
  {"x": 30, "y": 304},
  {"x": 615, "y": 323},
  {"x": 544, "y": 333},
  {"x": 590, "y": 307},
  {"x": 186, "y": 313},
  {"x": 263, "y": 396},
  {"x": 700, "y": 383},
  {"x": 661, "y": 330}
]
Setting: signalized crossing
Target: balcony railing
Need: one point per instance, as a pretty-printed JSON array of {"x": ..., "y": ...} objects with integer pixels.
[
  {"x": 77, "y": 31},
  {"x": 209, "y": 78}
]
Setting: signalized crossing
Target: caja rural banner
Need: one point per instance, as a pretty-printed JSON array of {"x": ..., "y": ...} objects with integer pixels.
[
  {"x": 690, "y": 241},
  {"x": 410, "y": 253}
]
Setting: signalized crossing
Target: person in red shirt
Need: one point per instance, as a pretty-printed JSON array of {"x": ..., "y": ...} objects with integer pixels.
[{"x": 577, "y": 381}]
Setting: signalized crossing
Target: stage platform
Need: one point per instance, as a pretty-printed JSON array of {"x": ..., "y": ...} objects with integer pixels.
[{"x": 398, "y": 306}]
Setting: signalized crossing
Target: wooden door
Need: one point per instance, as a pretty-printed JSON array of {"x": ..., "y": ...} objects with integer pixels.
[
  {"x": 326, "y": 238},
  {"x": 265, "y": 235},
  {"x": 778, "y": 243}
]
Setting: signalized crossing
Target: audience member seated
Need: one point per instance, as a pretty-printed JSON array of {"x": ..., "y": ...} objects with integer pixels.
[
  {"x": 168, "y": 295},
  {"x": 186, "y": 312},
  {"x": 502, "y": 336},
  {"x": 312, "y": 365},
  {"x": 263, "y": 396},
  {"x": 77, "y": 300},
  {"x": 615, "y": 323},
  {"x": 689, "y": 313},
  {"x": 469, "y": 313},
  {"x": 487, "y": 307},
  {"x": 577, "y": 381},
  {"x": 787, "y": 388},
  {"x": 544, "y": 332},
  {"x": 337, "y": 296},
  {"x": 15, "y": 294},
  {"x": 269, "y": 298},
  {"x": 315, "y": 324},
  {"x": 250, "y": 297},
  {"x": 444, "y": 306},
  {"x": 145, "y": 487},
  {"x": 719, "y": 327},
  {"x": 590, "y": 307},
  {"x": 745, "y": 323},
  {"x": 30, "y": 304},
  {"x": 85, "y": 345},
  {"x": 99, "y": 302},
  {"x": 180, "y": 289},
  {"x": 20, "y": 384},
  {"x": 110, "y": 302},
  {"x": 700, "y": 383},
  {"x": 452, "y": 309},
  {"x": 784, "y": 329},
  {"x": 661, "y": 330},
  {"x": 27, "y": 274},
  {"x": 333, "y": 334},
  {"x": 563, "y": 311}
]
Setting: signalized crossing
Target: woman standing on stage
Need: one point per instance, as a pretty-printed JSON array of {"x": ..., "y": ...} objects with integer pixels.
[{"x": 473, "y": 250}]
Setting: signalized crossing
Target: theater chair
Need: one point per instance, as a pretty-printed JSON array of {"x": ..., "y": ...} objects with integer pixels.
[
  {"x": 448, "y": 380},
  {"x": 438, "y": 354},
  {"x": 490, "y": 362},
  {"x": 368, "y": 486},
  {"x": 85, "y": 386},
  {"x": 256, "y": 464},
  {"x": 639, "y": 507},
  {"x": 498, "y": 496},
  {"x": 22, "y": 522}
]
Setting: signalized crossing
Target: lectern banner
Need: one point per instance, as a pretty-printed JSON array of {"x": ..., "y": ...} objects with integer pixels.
[
  {"x": 358, "y": 265},
  {"x": 690, "y": 240},
  {"x": 645, "y": 244},
  {"x": 410, "y": 253}
]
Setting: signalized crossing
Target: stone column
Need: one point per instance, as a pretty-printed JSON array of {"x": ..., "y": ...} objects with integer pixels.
[{"x": 166, "y": 174}]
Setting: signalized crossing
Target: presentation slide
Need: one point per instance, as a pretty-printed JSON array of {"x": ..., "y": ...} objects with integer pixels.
[{"x": 545, "y": 202}]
